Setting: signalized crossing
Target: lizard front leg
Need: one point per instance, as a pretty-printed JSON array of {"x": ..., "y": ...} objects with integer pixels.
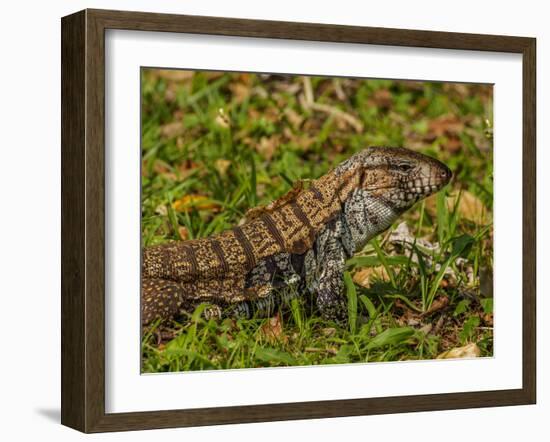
[
  {"x": 330, "y": 292},
  {"x": 330, "y": 264}
]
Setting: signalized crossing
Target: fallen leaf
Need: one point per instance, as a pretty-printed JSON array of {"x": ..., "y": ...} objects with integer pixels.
[
  {"x": 240, "y": 91},
  {"x": 174, "y": 74},
  {"x": 272, "y": 330},
  {"x": 444, "y": 125},
  {"x": 467, "y": 351},
  {"x": 426, "y": 328},
  {"x": 171, "y": 93},
  {"x": 267, "y": 146},
  {"x": 488, "y": 319},
  {"x": 470, "y": 207},
  {"x": 294, "y": 118},
  {"x": 183, "y": 233},
  {"x": 460, "y": 89},
  {"x": 382, "y": 98},
  {"x": 288, "y": 88},
  {"x": 199, "y": 202},
  {"x": 439, "y": 324},
  {"x": 161, "y": 210},
  {"x": 438, "y": 304},
  {"x": 172, "y": 130},
  {"x": 363, "y": 276},
  {"x": 453, "y": 144},
  {"x": 338, "y": 90},
  {"x": 213, "y": 75},
  {"x": 222, "y": 165},
  {"x": 163, "y": 169},
  {"x": 328, "y": 331}
]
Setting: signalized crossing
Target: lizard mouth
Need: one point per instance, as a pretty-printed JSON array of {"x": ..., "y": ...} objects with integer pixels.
[
  {"x": 436, "y": 180},
  {"x": 423, "y": 189},
  {"x": 418, "y": 188}
]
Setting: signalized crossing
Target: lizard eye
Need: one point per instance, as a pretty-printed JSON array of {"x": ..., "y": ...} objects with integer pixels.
[{"x": 403, "y": 167}]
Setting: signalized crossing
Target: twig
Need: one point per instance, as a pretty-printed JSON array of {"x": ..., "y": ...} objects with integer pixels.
[
  {"x": 338, "y": 90},
  {"x": 309, "y": 103}
]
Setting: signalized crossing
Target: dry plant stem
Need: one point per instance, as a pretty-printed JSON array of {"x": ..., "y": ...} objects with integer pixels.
[{"x": 309, "y": 103}]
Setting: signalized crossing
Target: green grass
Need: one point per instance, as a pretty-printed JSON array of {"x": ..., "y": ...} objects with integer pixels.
[{"x": 215, "y": 145}]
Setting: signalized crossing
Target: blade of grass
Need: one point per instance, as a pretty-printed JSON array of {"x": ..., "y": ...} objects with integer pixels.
[
  {"x": 352, "y": 302},
  {"x": 384, "y": 262}
]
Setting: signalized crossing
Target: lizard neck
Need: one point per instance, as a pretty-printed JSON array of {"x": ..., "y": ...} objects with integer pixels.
[{"x": 367, "y": 216}]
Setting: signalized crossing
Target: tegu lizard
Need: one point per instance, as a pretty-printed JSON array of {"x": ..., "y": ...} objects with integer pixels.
[{"x": 296, "y": 245}]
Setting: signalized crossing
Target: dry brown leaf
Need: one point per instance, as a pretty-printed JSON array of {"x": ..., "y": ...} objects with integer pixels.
[
  {"x": 144, "y": 169},
  {"x": 272, "y": 114},
  {"x": 438, "y": 304},
  {"x": 439, "y": 324},
  {"x": 328, "y": 331},
  {"x": 294, "y": 118},
  {"x": 467, "y": 351},
  {"x": 444, "y": 125},
  {"x": 183, "y": 233},
  {"x": 267, "y": 146},
  {"x": 272, "y": 330},
  {"x": 253, "y": 113},
  {"x": 453, "y": 144},
  {"x": 213, "y": 75},
  {"x": 304, "y": 142},
  {"x": 362, "y": 276},
  {"x": 161, "y": 210},
  {"x": 338, "y": 90},
  {"x": 186, "y": 167},
  {"x": 172, "y": 130},
  {"x": 382, "y": 98},
  {"x": 488, "y": 319},
  {"x": 222, "y": 165},
  {"x": 460, "y": 89},
  {"x": 245, "y": 78},
  {"x": 427, "y": 328},
  {"x": 174, "y": 74},
  {"x": 171, "y": 93},
  {"x": 240, "y": 91},
  {"x": 199, "y": 202},
  {"x": 163, "y": 169},
  {"x": 470, "y": 206}
]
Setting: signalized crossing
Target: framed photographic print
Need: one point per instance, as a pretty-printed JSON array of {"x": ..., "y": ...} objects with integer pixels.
[{"x": 267, "y": 220}]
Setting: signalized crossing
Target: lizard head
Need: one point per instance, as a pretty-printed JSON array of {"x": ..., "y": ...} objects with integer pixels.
[{"x": 396, "y": 176}]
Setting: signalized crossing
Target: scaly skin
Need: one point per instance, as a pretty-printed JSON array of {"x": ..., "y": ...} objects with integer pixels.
[{"x": 297, "y": 244}]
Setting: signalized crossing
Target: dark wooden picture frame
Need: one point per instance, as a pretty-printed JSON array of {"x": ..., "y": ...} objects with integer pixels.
[{"x": 83, "y": 220}]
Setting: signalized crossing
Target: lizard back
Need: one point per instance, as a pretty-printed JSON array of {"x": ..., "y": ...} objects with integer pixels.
[{"x": 290, "y": 227}]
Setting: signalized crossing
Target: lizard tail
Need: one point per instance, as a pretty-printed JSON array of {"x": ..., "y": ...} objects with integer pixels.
[{"x": 160, "y": 299}]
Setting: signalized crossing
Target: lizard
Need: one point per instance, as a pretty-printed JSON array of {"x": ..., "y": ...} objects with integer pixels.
[{"x": 296, "y": 244}]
